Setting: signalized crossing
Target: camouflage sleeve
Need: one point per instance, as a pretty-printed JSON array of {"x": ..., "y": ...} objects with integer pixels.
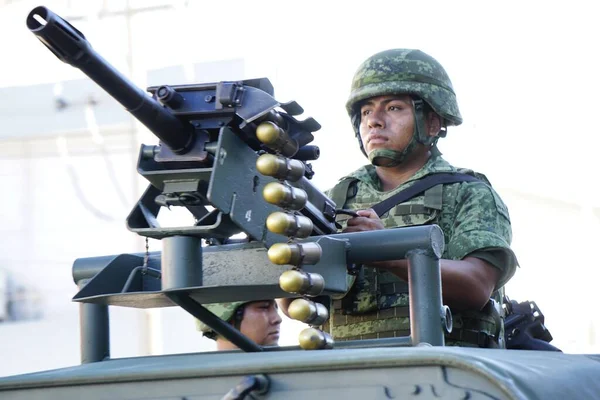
[{"x": 482, "y": 229}]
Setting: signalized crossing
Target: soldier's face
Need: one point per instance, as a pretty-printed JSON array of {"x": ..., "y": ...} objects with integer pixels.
[
  {"x": 261, "y": 322},
  {"x": 386, "y": 122}
]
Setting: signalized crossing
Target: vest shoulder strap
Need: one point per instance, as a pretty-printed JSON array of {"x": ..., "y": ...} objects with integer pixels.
[
  {"x": 421, "y": 186},
  {"x": 340, "y": 192}
]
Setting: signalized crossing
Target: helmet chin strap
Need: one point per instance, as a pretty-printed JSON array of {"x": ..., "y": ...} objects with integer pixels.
[{"x": 392, "y": 158}]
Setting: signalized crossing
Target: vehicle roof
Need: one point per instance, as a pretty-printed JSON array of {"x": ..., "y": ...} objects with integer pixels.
[{"x": 516, "y": 373}]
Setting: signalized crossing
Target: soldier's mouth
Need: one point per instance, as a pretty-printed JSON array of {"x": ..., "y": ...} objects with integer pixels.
[{"x": 376, "y": 139}]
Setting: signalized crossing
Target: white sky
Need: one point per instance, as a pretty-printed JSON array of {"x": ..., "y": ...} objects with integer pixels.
[{"x": 524, "y": 72}]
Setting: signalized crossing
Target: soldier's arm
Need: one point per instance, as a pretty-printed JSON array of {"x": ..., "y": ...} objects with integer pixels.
[{"x": 467, "y": 283}]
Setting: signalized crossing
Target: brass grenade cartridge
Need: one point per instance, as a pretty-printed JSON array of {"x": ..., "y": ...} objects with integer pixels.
[
  {"x": 280, "y": 167},
  {"x": 315, "y": 339},
  {"x": 276, "y": 138},
  {"x": 309, "y": 312},
  {"x": 294, "y": 253},
  {"x": 282, "y": 223},
  {"x": 285, "y": 196},
  {"x": 301, "y": 282}
]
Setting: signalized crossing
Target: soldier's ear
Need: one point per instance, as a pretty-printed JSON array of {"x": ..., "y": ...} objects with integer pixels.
[{"x": 434, "y": 123}]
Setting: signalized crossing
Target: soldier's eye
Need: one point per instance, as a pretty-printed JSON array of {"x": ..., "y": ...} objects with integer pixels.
[
  {"x": 365, "y": 112},
  {"x": 265, "y": 306}
]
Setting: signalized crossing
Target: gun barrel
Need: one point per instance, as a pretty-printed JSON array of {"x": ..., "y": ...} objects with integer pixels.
[{"x": 71, "y": 47}]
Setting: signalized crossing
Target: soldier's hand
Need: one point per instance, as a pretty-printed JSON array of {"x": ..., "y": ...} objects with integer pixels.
[{"x": 367, "y": 220}]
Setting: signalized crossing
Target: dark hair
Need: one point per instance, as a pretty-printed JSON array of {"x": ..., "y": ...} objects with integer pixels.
[
  {"x": 236, "y": 320},
  {"x": 210, "y": 334}
]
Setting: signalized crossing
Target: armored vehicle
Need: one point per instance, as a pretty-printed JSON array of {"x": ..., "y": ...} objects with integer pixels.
[{"x": 238, "y": 161}]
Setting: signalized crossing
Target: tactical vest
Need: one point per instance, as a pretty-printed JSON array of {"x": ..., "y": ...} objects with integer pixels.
[{"x": 377, "y": 304}]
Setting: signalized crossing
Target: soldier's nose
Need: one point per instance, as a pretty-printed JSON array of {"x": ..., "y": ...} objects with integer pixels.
[{"x": 374, "y": 120}]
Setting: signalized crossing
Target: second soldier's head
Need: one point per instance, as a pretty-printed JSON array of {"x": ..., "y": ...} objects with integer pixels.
[{"x": 258, "y": 320}]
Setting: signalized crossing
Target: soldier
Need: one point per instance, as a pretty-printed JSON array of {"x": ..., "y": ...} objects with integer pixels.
[
  {"x": 258, "y": 320},
  {"x": 401, "y": 102}
]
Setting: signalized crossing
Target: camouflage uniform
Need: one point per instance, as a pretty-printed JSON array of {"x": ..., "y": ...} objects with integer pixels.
[
  {"x": 472, "y": 216},
  {"x": 475, "y": 223},
  {"x": 225, "y": 311}
]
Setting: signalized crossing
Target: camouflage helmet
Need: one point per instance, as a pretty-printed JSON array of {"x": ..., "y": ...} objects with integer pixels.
[
  {"x": 405, "y": 71},
  {"x": 225, "y": 311}
]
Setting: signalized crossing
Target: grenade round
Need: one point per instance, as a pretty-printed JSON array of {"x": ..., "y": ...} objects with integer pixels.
[
  {"x": 315, "y": 339},
  {"x": 276, "y": 138},
  {"x": 300, "y": 282},
  {"x": 285, "y": 196},
  {"x": 282, "y": 223},
  {"x": 308, "y": 312},
  {"x": 280, "y": 167},
  {"x": 294, "y": 253}
]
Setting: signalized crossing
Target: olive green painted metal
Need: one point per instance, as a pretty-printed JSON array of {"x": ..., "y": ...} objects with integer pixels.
[{"x": 374, "y": 373}]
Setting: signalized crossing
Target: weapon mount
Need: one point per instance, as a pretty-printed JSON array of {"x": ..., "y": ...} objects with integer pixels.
[{"x": 235, "y": 158}]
